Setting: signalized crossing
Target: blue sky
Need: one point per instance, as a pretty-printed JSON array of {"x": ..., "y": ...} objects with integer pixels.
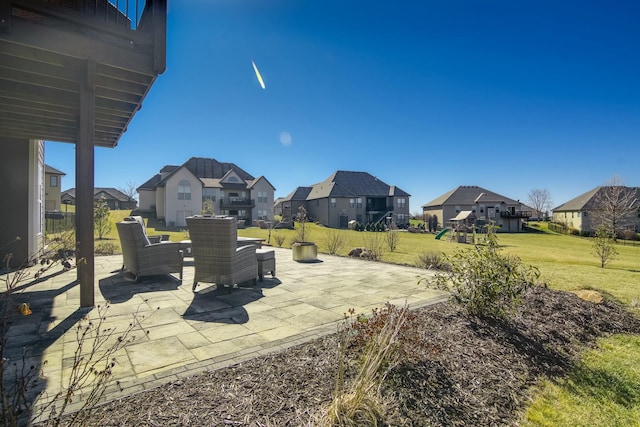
[{"x": 425, "y": 95}]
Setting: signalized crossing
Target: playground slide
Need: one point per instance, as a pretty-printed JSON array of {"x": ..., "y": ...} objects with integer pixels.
[{"x": 442, "y": 233}]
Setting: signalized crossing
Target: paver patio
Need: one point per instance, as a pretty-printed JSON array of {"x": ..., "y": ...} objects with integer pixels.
[{"x": 186, "y": 333}]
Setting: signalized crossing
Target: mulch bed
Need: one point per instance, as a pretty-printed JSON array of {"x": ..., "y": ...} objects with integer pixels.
[{"x": 464, "y": 372}]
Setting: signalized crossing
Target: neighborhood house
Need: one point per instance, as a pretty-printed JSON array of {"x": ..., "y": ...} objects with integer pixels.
[
  {"x": 346, "y": 196},
  {"x": 582, "y": 212},
  {"x": 178, "y": 192},
  {"x": 486, "y": 206}
]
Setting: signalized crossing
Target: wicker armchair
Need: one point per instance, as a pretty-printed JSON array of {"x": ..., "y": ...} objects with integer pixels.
[
  {"x": 215, "y": 253},
  {"x": 143, "y": 258}
]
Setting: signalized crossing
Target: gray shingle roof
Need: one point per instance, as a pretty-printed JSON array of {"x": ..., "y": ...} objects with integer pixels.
[
  {"x": 113, "y": 192},
  {"x": 350, "y": 184},
  {"x": 469, "y": 194},
  {"x": 200, "y": 167},
  {"x": 52, "y": 170},
  {"x": 586, "y": 200},
  {"x": 299, "y": 193}
]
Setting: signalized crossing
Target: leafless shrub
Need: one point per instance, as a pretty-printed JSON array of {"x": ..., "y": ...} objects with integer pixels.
[
  {"x": 360, "y": 403},
  {"x": 432, "y": 260},
  {"x": 392, "y": 237},
  {"x": 374, "y": 242},
  {"x": 279, "y": 238},
  {"x": 335, "y": 240}
]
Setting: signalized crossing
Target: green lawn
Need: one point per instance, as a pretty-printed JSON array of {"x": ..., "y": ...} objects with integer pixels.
[{"x": 603, "y": 390}]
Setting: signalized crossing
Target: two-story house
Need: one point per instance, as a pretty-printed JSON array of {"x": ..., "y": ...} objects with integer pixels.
[
  {"x": 487, "y": 206},
  {"x": 180, "y": 191},
  {"x": 346, "y": 196},
  {"x": 52, "y": 181}
]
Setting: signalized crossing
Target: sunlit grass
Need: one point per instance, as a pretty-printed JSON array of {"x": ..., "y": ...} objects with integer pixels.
[{"x": 602, "y": 390}]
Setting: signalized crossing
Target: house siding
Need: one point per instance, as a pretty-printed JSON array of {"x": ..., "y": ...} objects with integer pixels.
[
  {"x": 262, "y": 186},
  {"x": 147, "y": 199},
  {"x": 52, "y": 194},
  {"x": 176, "y": 210},
  {"x": 20, "y": 167}
]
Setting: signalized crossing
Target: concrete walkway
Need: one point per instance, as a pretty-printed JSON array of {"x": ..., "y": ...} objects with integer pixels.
[{"x": 185, "y": 333}]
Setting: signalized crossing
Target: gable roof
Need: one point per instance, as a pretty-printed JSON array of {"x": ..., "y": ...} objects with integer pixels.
[
  {"x": 207, "y": 170},
  {"x": 299, "y": 193},
  {"x": 350, "y": 184},
  {"x": 587, "y": 200},
  {"x": 53, "y": 171},
  {"x": 113, "y": 192},
  {"x": 469, "y": 194},
  {"x": 258, "y": 179}
]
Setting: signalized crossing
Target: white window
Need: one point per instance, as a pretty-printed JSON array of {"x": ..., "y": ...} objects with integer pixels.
[
  {"x": 401, "y": 218},
  {"x": 184, "y": 190},
  {"x": 333, "y": 202},
  {"x": 53, "y": 180},
  {"x": 352, "y": 203},
  {"x": 402, "y": 203},
  {"x": 358, "y": 202},
  {"x": 262, "y": 214},
  {"x": 458, "y": 209},
  {"x": 262, "y": 197}
]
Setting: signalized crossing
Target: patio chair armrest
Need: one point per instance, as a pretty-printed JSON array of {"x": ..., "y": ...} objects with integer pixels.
[
  {"x": 154, "y": 239},
  {"x": 167, "y": 252},
  {"x": 246, "y": 251}
]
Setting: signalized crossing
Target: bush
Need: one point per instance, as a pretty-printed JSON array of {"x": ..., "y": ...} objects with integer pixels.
[
  {"x": 392, "y": 238},
  {"x": 432, "y": 260},
  {"x": 374, "y": 242},
  {"x": 279, "y": 238},
  {"x": 484, "y": 282},
  {"x": 106, "y": 248},
  {"x": 335, "y": 240}
]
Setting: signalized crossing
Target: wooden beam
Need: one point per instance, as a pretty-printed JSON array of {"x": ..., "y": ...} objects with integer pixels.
[
  {"x": 84, "y": 188},
  {"x": 159, "y": 36},
  {"x": 76, "y": 45},
  {"x": 5, "y": 16}
]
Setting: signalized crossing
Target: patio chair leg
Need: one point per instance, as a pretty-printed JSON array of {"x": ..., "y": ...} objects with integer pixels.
[{"x": 194, "y": 286}]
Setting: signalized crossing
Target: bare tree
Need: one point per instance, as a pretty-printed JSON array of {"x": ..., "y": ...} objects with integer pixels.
[
  {"x": 604, "y": 247},
  {"x": 615, "y": 206},
  {"x": 540, "y": 200},
  {"x": 130, "y": 190}
]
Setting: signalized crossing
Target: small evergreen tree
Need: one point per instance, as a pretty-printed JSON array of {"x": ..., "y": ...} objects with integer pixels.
[{"x": 207, "y": 207}]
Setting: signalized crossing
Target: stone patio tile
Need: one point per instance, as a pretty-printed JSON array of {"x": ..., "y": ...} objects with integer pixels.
[
  {"x": 213, "y": 350},
  {"x": 262, "y": 322},
  {"x": 314, "y": 318},
  {"x": 153, "y": 355},
  {"x": 193, "y": 340},
  {"x": 299, "y": 308},
  {"x": 217, "y": 332},
  {"x": 172, "y": 329},
  {"x": 281, "y": 332},
  {"x": 249, "y": 341}
]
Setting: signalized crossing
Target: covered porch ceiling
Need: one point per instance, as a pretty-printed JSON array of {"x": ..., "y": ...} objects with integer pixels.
[{"x": 45, "y": 49}]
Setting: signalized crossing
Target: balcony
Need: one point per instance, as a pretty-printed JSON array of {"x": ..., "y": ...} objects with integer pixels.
[
  {"x": 517, "y": 214},
  {"x": 237, "y": 203}
]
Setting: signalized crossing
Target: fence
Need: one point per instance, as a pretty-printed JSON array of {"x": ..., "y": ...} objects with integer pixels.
[{"x": 57, "y": 222}]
